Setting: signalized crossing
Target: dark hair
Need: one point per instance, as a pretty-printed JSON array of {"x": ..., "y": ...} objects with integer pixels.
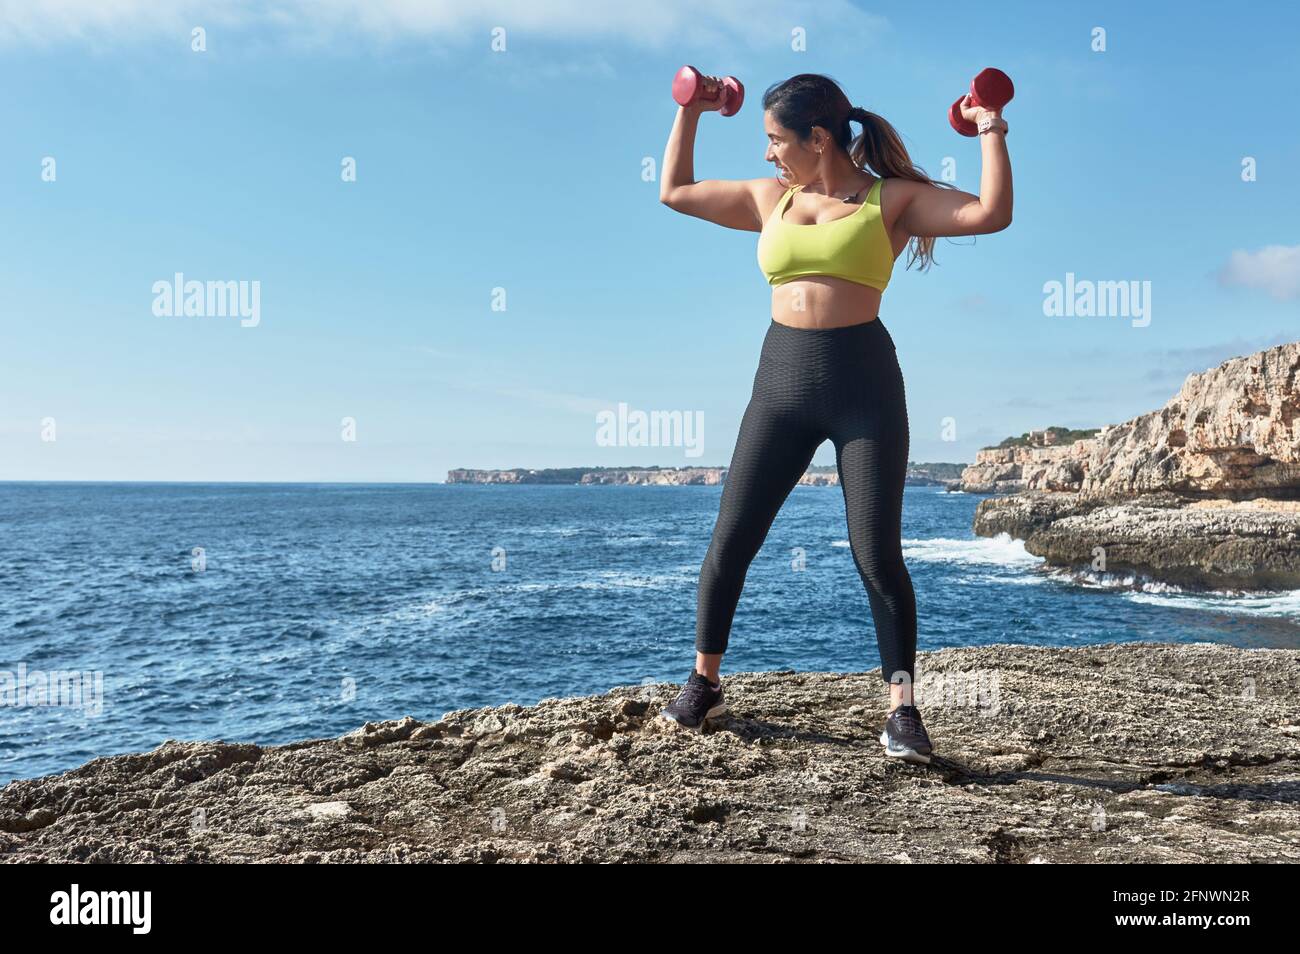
[{"x": 811, "y": 99}]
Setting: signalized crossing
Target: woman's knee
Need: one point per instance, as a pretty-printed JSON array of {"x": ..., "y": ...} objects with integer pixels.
[
  {"x": 879, "y": 560},
  {"x": 731, "y": 551}
]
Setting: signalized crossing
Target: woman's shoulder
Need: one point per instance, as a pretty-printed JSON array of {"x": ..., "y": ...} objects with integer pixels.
[
  {"x": 768, "y": 193},
  {"x": 772, "y": 188}
]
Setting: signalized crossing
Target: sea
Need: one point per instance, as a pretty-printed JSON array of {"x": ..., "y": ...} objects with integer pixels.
[{"x": 270, "y": 613}]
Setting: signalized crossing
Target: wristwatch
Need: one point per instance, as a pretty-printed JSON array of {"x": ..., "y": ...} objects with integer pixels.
[{"x": 996, "y": 123}]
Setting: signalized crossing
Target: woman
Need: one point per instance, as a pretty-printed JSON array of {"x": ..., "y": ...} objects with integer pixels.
[{"x": 831, "y": 225}]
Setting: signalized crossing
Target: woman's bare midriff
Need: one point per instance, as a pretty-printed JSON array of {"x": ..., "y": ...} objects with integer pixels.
[{"x": 821, "y": 301}]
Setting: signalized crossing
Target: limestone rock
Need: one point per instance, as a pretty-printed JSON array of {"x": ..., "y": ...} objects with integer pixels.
[{"x": 1130, "y": 753}]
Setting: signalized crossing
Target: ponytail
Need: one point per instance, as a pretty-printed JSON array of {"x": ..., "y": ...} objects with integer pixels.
[{"x": 880, "y": 149}]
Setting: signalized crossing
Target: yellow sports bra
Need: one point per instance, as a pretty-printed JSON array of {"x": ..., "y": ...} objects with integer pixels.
[{"x": 855, "y": 247}]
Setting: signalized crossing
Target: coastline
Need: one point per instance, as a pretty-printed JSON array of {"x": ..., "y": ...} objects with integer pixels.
[{"x": 930, "y": 475}]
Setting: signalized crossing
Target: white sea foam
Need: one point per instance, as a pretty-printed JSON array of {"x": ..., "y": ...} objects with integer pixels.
[
  {"x": 1018, "y": 578},
  {"x": 1121, "y": 580},
  {"x": 1138, "y": 588},
  {"x": 1002, "y": 551},
  {"x": 1284, "y": 604}
]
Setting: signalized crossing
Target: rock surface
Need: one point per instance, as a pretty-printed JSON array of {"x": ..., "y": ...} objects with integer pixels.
[
  {"x": 1197, "y": 544},
  {"x": 1232, "y": 431},
  {"x": 1008, "y": 470},
  {"x": 1127, "y": 753}
]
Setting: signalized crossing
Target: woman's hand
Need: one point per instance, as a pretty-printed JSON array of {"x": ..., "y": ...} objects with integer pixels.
[{"x": 975, "y": 113}]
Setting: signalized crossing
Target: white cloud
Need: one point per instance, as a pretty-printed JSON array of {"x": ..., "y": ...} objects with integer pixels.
[
  {"x": 663, "y": 23},
  {"x": 28, "y": 23},
  {"x": 1274, "y": 268}
]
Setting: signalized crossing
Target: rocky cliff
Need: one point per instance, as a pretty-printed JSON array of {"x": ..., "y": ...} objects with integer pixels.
[
  {"x": 1204, "y": 491},
  {"x": 669, "y": 477},
  {"x": 1038, "y": 464},
  {"x": 1121, "y": 754},
  {"x": 1231, "y": 432}
]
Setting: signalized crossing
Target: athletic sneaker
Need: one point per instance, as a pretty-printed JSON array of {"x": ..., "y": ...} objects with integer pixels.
[
  {"x": 904, "y": 737},
  {"x": 698, "y": 700}
]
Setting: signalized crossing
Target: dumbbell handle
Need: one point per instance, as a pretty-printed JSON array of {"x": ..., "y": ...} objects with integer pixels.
[{"x": 693, "y": 88}]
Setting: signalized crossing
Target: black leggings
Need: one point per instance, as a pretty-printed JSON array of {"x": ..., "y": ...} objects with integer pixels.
[{"x": 812, "y": 384}]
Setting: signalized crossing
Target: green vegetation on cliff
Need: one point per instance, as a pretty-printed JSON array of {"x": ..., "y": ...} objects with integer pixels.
[{"x": 1063, "y": 435}]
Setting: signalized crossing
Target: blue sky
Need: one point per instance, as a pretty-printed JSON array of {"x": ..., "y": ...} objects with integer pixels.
[{"x": 522, "y": 169}]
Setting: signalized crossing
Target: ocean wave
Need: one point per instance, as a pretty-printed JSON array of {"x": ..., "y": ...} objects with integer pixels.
[
  {"x": 1114, "y": 580},
  {"x": 1031, "y": 578},
  {"x": 1283, "y": 604},
  {"x": 1139, "y": 588},
  {"x": 1002, "y": 550}
]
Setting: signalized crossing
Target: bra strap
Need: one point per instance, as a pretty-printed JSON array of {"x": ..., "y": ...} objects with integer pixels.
[{"x": 784, "y": 204}]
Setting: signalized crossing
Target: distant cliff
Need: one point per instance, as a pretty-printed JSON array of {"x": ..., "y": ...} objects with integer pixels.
[
  {"x": 919, "y": 474},
  {"x": 590, "y": 475}
]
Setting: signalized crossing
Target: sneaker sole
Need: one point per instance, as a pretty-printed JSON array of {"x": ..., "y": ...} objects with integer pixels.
[
  {"x": 717, "y": 710},
  {"x": 906, "y": 754}
]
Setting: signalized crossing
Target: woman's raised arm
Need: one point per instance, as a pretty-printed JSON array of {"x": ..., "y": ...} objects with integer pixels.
[
  {"x": 729, "y": 202},
  {"x": 930, "y": 211}
]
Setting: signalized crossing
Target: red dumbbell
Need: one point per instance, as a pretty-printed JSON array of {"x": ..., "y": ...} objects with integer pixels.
[
  {"x": 690, "y": 86},
  {"x": 991, "y": 89}
]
